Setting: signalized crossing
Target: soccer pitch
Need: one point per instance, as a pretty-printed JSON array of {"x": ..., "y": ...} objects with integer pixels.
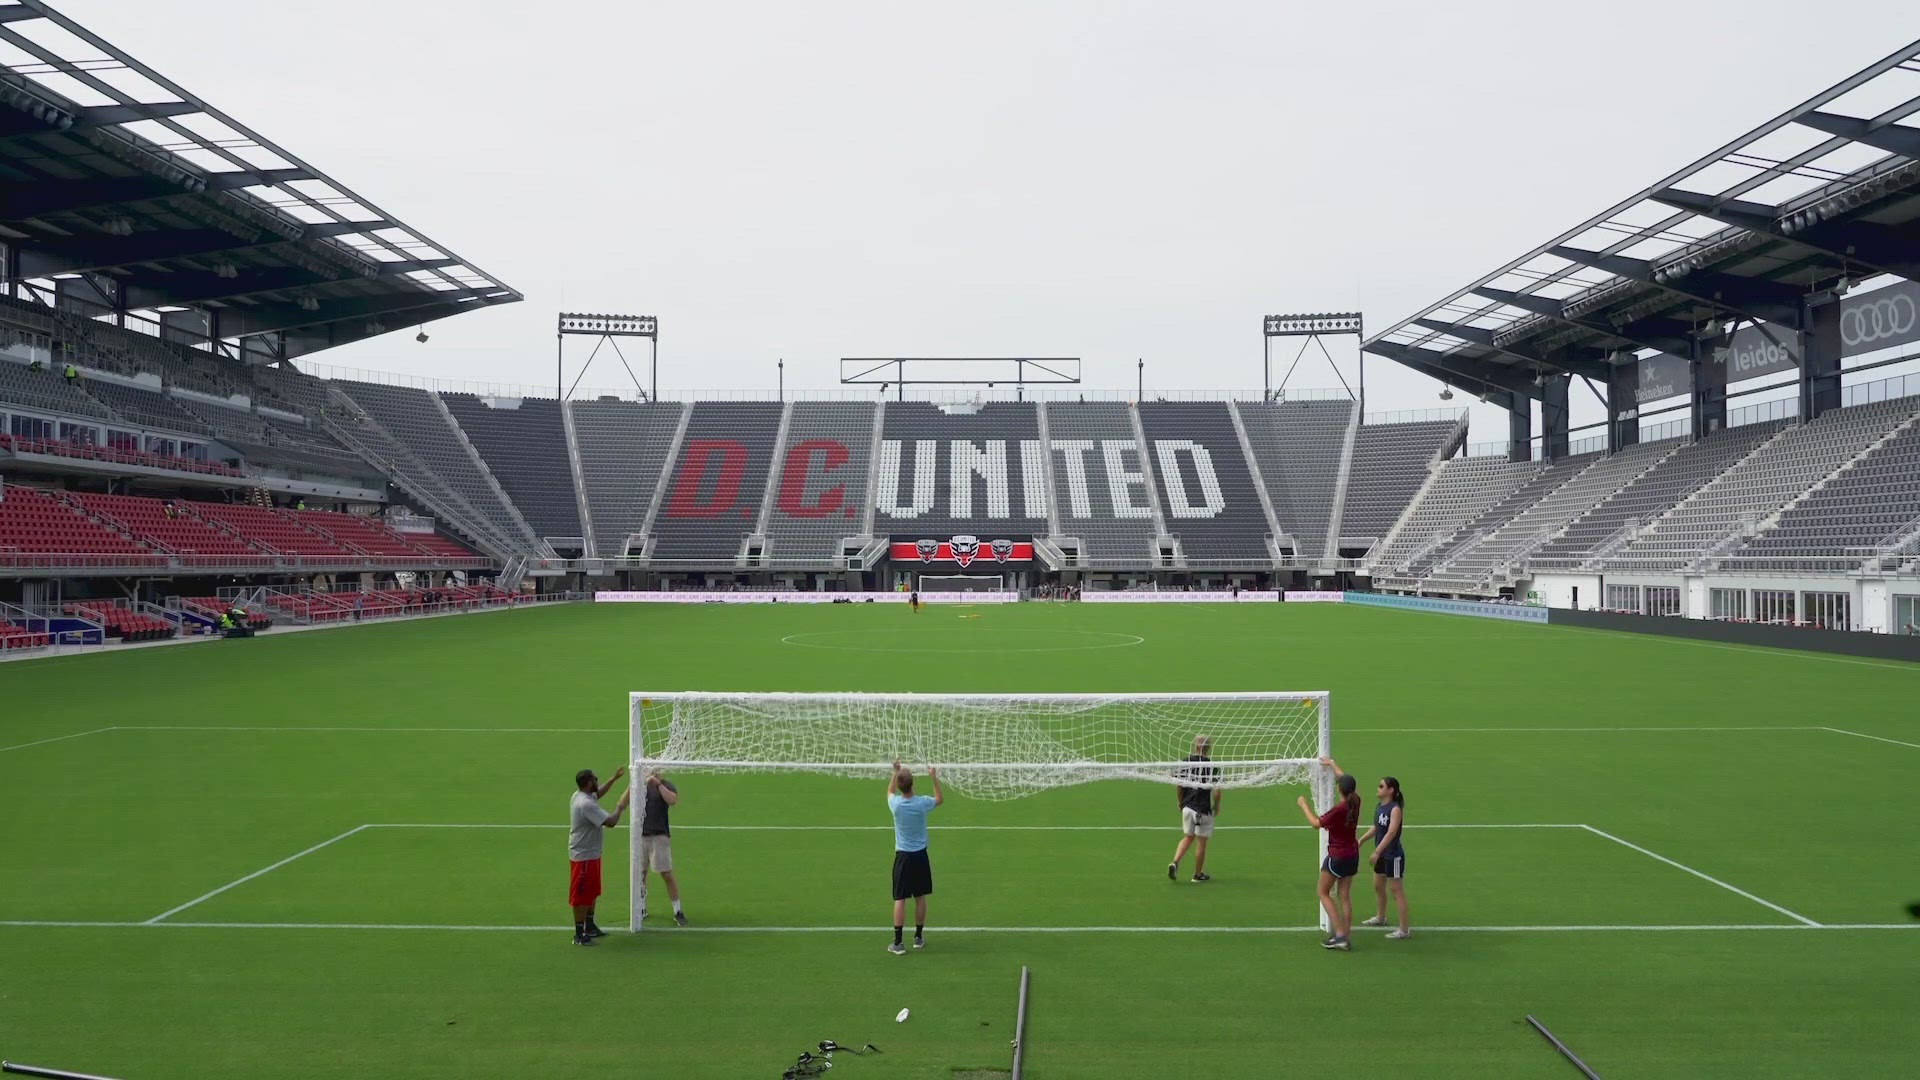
[{"x": 342, "y": 854}]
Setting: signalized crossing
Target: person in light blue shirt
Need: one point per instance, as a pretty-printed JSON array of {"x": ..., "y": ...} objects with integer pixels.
[{"x": 912, "y": 870}]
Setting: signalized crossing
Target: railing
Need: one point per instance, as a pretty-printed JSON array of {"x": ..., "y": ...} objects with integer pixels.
[
  {"x": 1898, "y": 386},
  {"x": 1672, "y": 429},
  {"x": 1486, "y": 449},
  {"x": 140, "y": 563},
  {"x": 113, "y": 455},
  {"x": 1413, "y": 416},
  {"x": 1778, "y": 409}
]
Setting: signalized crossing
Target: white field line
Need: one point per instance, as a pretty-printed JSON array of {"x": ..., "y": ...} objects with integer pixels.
[
  {"x": 1704, "y": 877},
  {"x": 437, "y": 730},
  {"x": 1875, "y": 738},
  {"x": 937, "y": 828},
  {"x": 257, "y": 873},
  {"x": 875, "y": 929},
  {"x": 617, "y": 731},
  {"x": 58, "y": 738}
]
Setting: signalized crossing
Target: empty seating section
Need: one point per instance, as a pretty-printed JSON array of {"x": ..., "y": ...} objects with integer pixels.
[
  {"x": 276, "y": 531},
  {"x": 122, "y": 621},
  {"x": 820, "y": 483},
  {"x": 1210, "y": 503},
  {"x": 49, "y": 391},
  {"x": 116, "y": 455},
  {"x": 1542, "y": 480},
  {"x": 623, "y": 449},
  {"x": 146, "y": 407},
  {"x": 359, "y": 532},
  {"x": 1390, "y": 462},
  {"x": 1298, "y": 445},
  {"x": 1650, "y": 494},
  {"x": 713, "y": 491},
  {"x": 1863, "y": 511},
  {"x": 15, "y": 636},
  {"x": 964, "y": 472},
  {"x": 524, "y": 444},
  {"x": 1480, "y": 564},
  {"x": 411, "y": 417},
  {"x": 37, "y": 529},
  {"x": 1462, "y": 489},
  {"x": 174, "y": 530},
  {"x": 1715, "y": 517},
  {"x": 1099, "y": 481}
]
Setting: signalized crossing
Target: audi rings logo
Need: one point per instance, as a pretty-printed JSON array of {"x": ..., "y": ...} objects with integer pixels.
[{"x": 1879, "y": 320}]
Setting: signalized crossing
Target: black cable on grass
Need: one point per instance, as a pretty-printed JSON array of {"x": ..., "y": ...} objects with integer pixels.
[{"x": 1562, "y": 1047}]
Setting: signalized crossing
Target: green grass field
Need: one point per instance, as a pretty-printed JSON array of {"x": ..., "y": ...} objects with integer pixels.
[{"x": 394, "y": 945}]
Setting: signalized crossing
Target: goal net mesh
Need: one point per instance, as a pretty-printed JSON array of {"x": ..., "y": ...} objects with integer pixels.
[{"x": 995, "y": 746}]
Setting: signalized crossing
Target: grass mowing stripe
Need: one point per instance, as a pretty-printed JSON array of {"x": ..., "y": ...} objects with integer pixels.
[
  {"x": 60, "y": 738},
  {"x": 1701, "y": 876},
  {"x": 1875, "y": 738},
  {"x": 255, "y": 874},
  {"x": 940, "y": 828}
]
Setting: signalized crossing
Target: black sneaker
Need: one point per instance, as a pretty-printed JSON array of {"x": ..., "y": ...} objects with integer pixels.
[
  {"x": 582, "y": 939},
  {"x": 594, "y": 931},
  {"x": 1203, "y": 877},
  {"x": 919, "y": 942},
  {"x": 1173, "y": 871},
  {"x": 1339, "y": 943},
  {"x": 679, "y": 918}
]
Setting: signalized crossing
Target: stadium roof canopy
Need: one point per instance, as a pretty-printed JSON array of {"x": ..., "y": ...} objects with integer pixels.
[
  {"x": 122, "y": 192},
  {"x": 1820, "y": 197}
]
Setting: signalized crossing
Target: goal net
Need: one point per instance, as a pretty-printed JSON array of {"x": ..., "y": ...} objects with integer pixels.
[
  {"x": 961, "y": 582},
  {"x": 991, "y": 746}
]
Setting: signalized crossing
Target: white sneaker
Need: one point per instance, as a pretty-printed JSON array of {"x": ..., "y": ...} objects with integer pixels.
[
  {"x": 1400, "y": 935},
  {"x": 1375, "y": 921}
]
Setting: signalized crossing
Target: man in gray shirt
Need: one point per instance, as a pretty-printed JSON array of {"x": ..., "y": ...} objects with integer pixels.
[{"x": 588, "y": 822}]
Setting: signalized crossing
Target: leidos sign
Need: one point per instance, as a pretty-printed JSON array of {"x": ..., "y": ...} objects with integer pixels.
[{"x": 1880, "y": 319}]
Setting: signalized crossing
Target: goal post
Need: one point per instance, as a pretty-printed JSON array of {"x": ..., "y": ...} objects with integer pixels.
[{"x": 988, "y": 746}]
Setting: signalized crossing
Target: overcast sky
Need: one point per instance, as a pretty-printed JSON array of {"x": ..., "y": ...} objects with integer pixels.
[{"x": 1108, "y": 180}]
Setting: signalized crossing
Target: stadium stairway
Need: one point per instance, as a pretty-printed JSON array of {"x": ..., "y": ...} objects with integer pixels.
[
  {"x": 622, "y": 448},
  {"x": 1460, "y": 489},
  {"x": 1390, "y": 464},
  {"x": 1297, "y": 446},
  {"x": 1210, "y": 501},
  {"x": 1101, "y": 478},
  {"x": 817, "y": 496}
]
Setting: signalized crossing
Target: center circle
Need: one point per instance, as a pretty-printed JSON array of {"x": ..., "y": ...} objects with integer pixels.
[{"x": 979, "y": 640}]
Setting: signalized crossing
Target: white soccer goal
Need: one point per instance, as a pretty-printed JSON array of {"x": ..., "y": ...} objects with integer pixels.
[
  {"x": 989, "y": 746},
  {"x": 961, "y": 582}
]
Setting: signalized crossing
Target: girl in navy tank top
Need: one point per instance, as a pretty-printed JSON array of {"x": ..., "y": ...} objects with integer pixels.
[{"x": 1389, "y": 857}]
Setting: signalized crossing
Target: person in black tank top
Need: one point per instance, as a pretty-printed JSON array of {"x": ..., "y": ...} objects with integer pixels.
[{"x": 1389, "y": 857}]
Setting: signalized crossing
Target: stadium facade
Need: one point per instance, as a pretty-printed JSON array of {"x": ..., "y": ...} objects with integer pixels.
[{"x": 165, "y": 267}]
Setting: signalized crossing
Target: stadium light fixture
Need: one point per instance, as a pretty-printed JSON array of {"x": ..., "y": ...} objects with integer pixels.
[
  {"x": 608, "y": 328},
  {"x": 1313, "y": 326}
]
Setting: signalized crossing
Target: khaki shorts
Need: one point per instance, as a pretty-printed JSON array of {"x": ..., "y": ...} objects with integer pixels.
[
  {"x": 656, "y": 854},
  {"x": 1195, "y": 823}
]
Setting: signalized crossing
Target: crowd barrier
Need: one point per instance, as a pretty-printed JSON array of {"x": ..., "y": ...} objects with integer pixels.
[
  {"x": 770, "y": 597},
  {"x": 1509, "y": 612},
  {"x": 1842, "y": 642}
]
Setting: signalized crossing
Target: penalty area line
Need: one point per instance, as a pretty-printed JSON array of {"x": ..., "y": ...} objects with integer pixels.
[
  {"x": 1704, "y": 877},
  {"x": 156, "y": 920},
  {"x": 57, "y": 738},
  {"x": 1875, "y": 738},
  {"x": 948, "y": 828},
  {"x": 555, "y": 928}
]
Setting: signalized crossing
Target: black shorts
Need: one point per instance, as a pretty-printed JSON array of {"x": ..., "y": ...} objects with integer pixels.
[
  {"x": 1393, "y": 866},
  {"x": 912, "y": 874},
  {"x": 1341, "y": 867}
]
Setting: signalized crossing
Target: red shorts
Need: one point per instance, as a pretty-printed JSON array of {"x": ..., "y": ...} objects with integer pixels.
[{"x": 583, "y": 888}]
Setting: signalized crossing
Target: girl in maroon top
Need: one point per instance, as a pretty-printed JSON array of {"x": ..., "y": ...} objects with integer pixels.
[{"x": 1343, "y": 855}]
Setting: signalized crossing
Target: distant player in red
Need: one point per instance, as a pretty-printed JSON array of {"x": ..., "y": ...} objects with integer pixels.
[{"x": 1343, "y": 855}]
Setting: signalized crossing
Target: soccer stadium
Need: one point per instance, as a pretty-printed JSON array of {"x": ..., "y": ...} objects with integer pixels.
[{"x": 296, "y": 662}]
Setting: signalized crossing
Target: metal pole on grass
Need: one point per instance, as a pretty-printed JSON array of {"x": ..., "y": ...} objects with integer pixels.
[
  {"x": 1562, "y": 1047},
  {"x": 41, "y": 1070},
  {"x": 1020, "y": 1025}
]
